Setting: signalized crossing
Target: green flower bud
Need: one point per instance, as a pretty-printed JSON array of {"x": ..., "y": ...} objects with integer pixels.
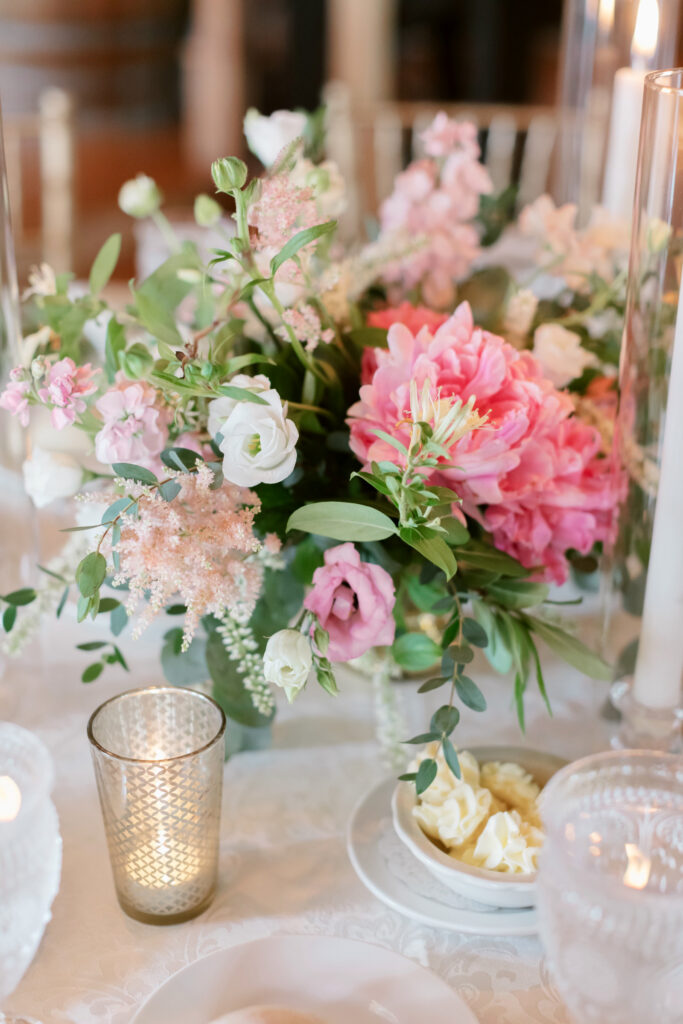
[
  {"x": 228, "y": 173},
  {"x": 140, "y": 197},
  {"x": 207, "y": 212}
]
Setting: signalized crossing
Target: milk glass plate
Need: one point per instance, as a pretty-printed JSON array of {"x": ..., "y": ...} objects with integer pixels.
[
  {"x": 339, "y": 980},
  {"x": 395, "y": 876}
]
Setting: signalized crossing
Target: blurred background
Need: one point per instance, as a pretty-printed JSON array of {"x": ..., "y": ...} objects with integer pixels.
[{"x": 94, "y": 91}]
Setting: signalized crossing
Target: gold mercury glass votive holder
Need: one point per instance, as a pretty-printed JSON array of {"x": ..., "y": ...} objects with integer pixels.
[{"x": 158, "y": 757}]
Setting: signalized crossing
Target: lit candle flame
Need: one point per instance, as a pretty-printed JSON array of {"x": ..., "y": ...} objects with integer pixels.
[
  {"x": 10, "y": 798},
  {"x": 606, "y": 15},
  {"x": 645, "y": 34},
  {"x": 637, "y": 874}
]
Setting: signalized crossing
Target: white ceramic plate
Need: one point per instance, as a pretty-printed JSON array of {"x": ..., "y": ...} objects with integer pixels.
[
  {"x": 340, "y": 980},
  {"x": 492, "y": 887},
  {"x": 391, "y": 872}
]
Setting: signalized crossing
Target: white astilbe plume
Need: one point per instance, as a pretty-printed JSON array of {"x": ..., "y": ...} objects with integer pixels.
[{"x": 241, "y": 645}]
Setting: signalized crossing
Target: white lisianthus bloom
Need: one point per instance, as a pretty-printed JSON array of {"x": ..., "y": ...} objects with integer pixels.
[
  {"x": 140, "y": 196},
  {"x": 220, "y": 408},
  {"x": 268, "y": 136},
  {"x": 287, "y": 661},
  {"x": 258, "y": 442},
  {"x": 561, "y": 354},
  {"x": 50, "y": 475}
]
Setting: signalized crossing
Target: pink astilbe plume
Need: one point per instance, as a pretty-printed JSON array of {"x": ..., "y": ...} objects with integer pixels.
[
  {"x": 531, "y": 474},
  {"x": 433, "y": 202},
  {"x": 281, "y": 210},
  {"x": 197, "y": 549}
]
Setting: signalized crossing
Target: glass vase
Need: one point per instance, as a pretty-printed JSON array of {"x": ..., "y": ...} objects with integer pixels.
[
  {"x": 607, "y": 48},
  {"x": 645, "y": 613},
  {"x": 158, "y": 757}
]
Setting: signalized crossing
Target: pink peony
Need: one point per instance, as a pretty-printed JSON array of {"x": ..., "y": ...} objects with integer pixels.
[
  {"x": 414, "y": 317},
  {"x": 65, "y": 388},
  {"x": 135, "y": 428},
  {"x": 14, "y": 398},
  {"x": 531, "y": 474},
  {"x": 353, "y": 601}
]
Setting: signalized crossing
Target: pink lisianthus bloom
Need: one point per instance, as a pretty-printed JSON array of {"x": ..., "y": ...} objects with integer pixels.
[
  {"x": 66, "y": 387},
  {"x": 134, "y": 428},
  {"x": 531, "y": 474},
  {"x": 14, "y": 398},
  {"x": 353, "y": 601}
]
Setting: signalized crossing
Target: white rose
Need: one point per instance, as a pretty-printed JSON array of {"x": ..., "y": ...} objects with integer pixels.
[
  {"x": 561, "y": 354},
  {"x": 268, "y": 136},
  {"x": 139, "y": 197},
  {"x": 50, "y": 475},
  {"x": 287, "y": 661},
  {"x": 220, "y": 408},
  {"x": 258, "y": 442}
]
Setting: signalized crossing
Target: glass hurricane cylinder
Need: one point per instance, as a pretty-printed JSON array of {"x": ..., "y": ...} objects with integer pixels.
[
  {"x": 607, "y": 48},
  {"x": 645, "y": 629},
  {"x": 158, "y": 757},
  {"x": 610, "y": 887}
]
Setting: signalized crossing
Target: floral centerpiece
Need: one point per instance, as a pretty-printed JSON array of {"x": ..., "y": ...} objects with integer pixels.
[{"x": 298, "y": 449}]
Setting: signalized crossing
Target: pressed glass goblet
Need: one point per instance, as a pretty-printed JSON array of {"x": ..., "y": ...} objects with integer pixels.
[
  {"x": 158, "y": 756},
  {"x": 610, "y": 887}
]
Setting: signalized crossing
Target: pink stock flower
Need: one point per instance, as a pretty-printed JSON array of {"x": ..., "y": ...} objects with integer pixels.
[
  {"x": 426, "y": 215},
  {"x": 134, "y": 428},
  {"x": 353, "y": 601},
  {"x": 531, "y": 474},
  {"x": 14, "y": 398},
  {"x": 66, "y": 386}
]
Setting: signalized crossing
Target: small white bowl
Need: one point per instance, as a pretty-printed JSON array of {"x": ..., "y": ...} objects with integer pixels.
[{"x": 490, "y": 887}]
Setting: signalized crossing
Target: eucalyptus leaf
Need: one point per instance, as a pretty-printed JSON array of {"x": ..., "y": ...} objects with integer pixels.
[
  {"x": 415, "y": 652},
  {"x": 451, "y": 757},
  {"x": 9, "y": 617},
  {"x": 425, "y": 775},
  {"x": 424, "y": 737},
  {"x": 342, "y": 520},
  {"x": 118, "y": 620},
  {"x": 20, "y": 597},
  {"x": 474, "y": 633},
  {"x": 169, "y": 490},
  {"x": 444, "y": 720},
  {"x": 469, "y": 693},
  {"x": 92, "y": 672},
  {"x": 432, "y": 684},
  {"x": 184, "y": 459},
  {"x": 104, "y": 264},
  {"x": 138, "y": 473},
  {"x": 90, "y": 573}
]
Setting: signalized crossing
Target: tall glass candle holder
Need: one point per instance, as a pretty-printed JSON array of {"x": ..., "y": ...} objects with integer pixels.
[
  {"x": 158, "y": 756},
  {"x": 608, "y": 46},
  {"x": 646, "y": 606}
]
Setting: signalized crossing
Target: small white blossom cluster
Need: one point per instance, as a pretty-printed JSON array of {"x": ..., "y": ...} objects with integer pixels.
[
  {"x": 240, "y": 643},
  {"x": 390, "y": 723}
]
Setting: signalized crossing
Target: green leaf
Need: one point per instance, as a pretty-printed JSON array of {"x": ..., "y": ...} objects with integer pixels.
[
  {"x": 114, "y": 344},
  {"x": 461, "y": 654},
  {"x": 495, "y": 561},
  {"x": 451, "y": 757},
  {"x": 474, "y": 633},
  {"x": 444, "y": 720},
  {"x": 62, "y": 602},
  {"x": 107, "y": 604},
  {"x": 570, "y": 649},
  {"x": 241, "y": 394},
  {"x": 228, "y": 688},
  {"x": 393, "y": 441},
  {"x": 456, "y": 533},
  {"x": 118, "y": 620},
  {"x": 82, "y": 608},
  {"x": 298, "y": 241},
  {"x": 342, "y": 520},
  {"x": 432, "y": 684},
  {"x": 110, "y": 514},
  {"x": 90, "y": 573},
  {"x": 369, "y": 337},
  {"x": 539, "y": 676},
  {"x": 20, "y": 597},
  {"x": 176, "y": 609},
  {"x": 92, "y": 645},
  {"x": 497, "y": 651},
  {"x": 104, "y": 264},
  {"x": 169, "y": 490},
  {"x": 9, "y": 617},
  {"x": 518, "y": 594},
  {"x": 520, "y": 686},
  {"x": 469, "y": 693},
  {"x": 435, "y": 550},
  {"x": 450, "y": 632},
  {"x": 157, "y": 319},
  {"x": 425, "y": 775},
  {"x": 183, "y": 459},
  {"x": 136, "y": 361},
  {"x": 130, "y": 472},
  {"x": 188, "y": 667},
  {"x": 54, "y": 575},
  {"x": 415, "y": 652},
  {"x": 407, "y": 777},
  {"x": 92, "y": 672},
  {"x": 424, "y": 737}
]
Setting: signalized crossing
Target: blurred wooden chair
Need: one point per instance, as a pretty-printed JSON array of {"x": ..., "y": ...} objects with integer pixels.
[
  {"x": 372, "y": 145},
  {"x": 39, "y": 154}
]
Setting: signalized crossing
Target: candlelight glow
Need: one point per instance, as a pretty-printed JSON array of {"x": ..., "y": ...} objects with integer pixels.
[
  {"x": 606, "y": 15},
  {"x": 637, "y": 874},
  {"x": 10, "y": 798},
  {"x": 646, "y": 31}
]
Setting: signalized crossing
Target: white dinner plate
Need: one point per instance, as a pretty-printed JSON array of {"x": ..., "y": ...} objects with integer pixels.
[
  {"x": 340, "y": 980},
  {"x": 391, "y": 872}
]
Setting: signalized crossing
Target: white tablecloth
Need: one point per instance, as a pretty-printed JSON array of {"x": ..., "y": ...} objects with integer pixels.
[{"x": 284, "y": 867}]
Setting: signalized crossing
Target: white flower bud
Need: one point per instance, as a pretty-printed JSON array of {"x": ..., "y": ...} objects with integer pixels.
[
  {"x": 228, "y": 173},
  {"x": 140, "y": 197},
  {"x": 287, "y": 661},
  {"x": 207, "y": 212},
  {"x": 268, "y": 136}
]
